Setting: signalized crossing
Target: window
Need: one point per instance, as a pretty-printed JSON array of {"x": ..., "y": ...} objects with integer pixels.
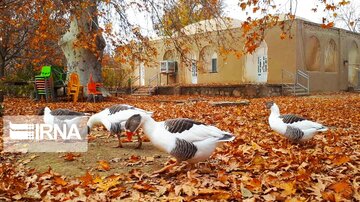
[{"x": 214, "y": 63}]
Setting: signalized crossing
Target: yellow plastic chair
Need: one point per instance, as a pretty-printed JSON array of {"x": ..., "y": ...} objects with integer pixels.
[{"x": 74, "y": 88}]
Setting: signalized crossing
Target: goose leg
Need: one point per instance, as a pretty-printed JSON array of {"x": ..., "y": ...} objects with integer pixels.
[
  {"x": 139, "y": 140},
  {"x": 166, "y": 168},
  {"x": 118, "y": 135}
]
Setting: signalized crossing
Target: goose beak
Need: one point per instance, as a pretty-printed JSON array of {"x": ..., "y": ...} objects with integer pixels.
[{"x": 129, "y": 135}]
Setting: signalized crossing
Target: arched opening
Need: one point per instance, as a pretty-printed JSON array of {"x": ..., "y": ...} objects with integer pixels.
[
  {"x": 169, "y": 55},
  {"x": 331, "y": 57},
  {"x": 208, "y": 59},
  {"x": 353, "y": 64},
  {"x": 256, "y": 65},
  {"x": 313, "y": 54}
]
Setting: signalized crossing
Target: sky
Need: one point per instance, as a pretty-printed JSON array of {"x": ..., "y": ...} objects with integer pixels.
[
  {"x": 303, "y": 9},
  {"x": 233, "y": 10}
]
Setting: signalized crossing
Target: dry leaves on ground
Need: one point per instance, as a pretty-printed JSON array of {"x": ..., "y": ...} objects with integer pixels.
[{"x": 258, "y": 165}]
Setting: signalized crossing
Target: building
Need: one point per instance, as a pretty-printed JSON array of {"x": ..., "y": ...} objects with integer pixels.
[{"x": 329, "y": 58}]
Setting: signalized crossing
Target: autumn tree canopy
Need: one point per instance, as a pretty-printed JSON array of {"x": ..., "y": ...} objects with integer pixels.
[
  {"x": 26, "y": 37},
  {"x": 35, "y": 30}
]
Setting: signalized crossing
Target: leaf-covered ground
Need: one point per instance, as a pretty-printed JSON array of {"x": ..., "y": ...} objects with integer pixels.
[{"x": 258, "y": 165}]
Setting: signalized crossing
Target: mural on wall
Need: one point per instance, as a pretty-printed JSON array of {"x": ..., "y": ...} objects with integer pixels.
[
  {"x": 331, "y": 57},
  {"x": 256, "y": 65},
  {"x": 353, "y": 65},
  {"x": 313, "y": 54}
]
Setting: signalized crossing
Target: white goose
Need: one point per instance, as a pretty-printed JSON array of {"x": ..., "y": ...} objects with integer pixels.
[
  {"x": 113, "y": 118},
  {"x": 295, "y": 128},
  {"x": 61, "y": 116},
  {"x": 184, "y": 139},
  {"x": 65, "y": 115}
]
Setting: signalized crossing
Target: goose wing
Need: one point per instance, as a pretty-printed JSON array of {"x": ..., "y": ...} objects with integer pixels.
[
  {"x": 290, "y": 118},
  {"x": 65, "y": 114},
  {"x": 180, "y": 125},
  {"x": 119, "y": 107},
  {"x": 122, "y": 107},
  {"x": 300, "y": 123},
  {"x": 193, "y": 131}
]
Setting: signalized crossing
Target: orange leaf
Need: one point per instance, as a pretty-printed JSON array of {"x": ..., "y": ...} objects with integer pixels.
[
  {"x": 86, "y": 179},
  {"x": 343, "y": 188},
  {"x": 134, "y": 159},
  {"x": 243, "y": 6},
  {"x": 343, "y": 3},
  {"x": 60, "y": 181},
  {"x": 246, "y": 26},
  {"x": 70, "y": 156},
  {"x": 341, "y": 160},
  {"x": 216, "y": 194},
  {"x": 104, "y": 165},
  {"x": 144, "y": 187},
  {"x": 327, "y": 26},
  {"x": 328, "y": 196}
]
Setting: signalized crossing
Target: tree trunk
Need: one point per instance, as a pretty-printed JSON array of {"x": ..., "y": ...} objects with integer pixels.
[
  {"x": 2, "y": 63},
  {"x": 2, "y": 68},
  {"x": 82, "y": 60}
]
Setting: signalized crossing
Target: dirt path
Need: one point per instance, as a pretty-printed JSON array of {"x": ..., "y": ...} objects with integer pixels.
[{"x": 121, "y": 160}]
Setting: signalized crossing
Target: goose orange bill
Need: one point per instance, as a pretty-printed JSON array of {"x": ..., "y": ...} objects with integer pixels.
[{"x": 129, "y": 135}]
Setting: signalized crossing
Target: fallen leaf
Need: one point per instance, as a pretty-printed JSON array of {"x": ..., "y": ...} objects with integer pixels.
[
  {"x": 86, "y": 179},
  {"x": 140, "y": 186},
  {"x": 103, "y": 165},
  {"x": 341, "y": 160},
  {"x": 105, "y": 185},
  {"x": 70, "y": 156},
  {"x": 60, "y": 181},
  {"x": 288, "y": 187},
  {"x": 344, "y": 188},
  {"x": 134, "y": 158},
  {"x": 328, "y": 196}
]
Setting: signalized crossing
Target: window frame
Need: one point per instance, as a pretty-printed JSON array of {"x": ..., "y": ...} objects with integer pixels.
[{"x": 214, "y": 58}]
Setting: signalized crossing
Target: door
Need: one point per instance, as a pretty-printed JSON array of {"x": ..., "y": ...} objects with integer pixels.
[
  {"x": 142, "y": 74},
  {"x": 262, "y": 69},
  {"x": 194, "y": 72}
]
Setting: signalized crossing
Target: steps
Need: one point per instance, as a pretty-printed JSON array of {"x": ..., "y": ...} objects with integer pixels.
[
  {"x": 143, "y": 91},
  {"x": 150, "y": 89},
  {"x": 300, "y": 85},
  {"x": 297, "y": 90}
]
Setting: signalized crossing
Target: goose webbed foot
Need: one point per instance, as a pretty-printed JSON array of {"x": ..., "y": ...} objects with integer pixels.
[{"x": 119, "y": 141}]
